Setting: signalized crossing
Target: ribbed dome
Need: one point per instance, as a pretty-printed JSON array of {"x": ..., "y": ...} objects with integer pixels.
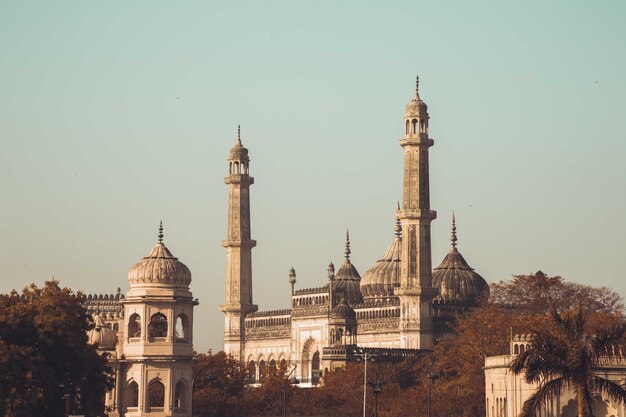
[
  {"x": 101, "y": 335},
  {"x": 160, "y": 267},
  {"x": 343, "y": 311},
  {"x": 456, "y": 280},
  {"x": 384, "y": 276},
  {"x": 347, "y": 279}
]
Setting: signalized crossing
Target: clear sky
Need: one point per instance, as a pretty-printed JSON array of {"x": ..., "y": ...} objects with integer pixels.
[{"x": 114, "y": 115}]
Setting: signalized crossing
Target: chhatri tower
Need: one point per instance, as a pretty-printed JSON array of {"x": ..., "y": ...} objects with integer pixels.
[{"x": 397, "y": 309}]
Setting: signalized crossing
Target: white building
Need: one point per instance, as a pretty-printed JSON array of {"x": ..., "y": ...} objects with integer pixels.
[
  {"x": 505, "y": 393},
  {"x": 148, "y": 335}
]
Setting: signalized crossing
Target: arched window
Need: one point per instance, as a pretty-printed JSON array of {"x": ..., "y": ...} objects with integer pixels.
[
  {"x": 515, "y": 349},
  {"x": 180, "y": 396},
  {"x": 414, "y": 125},
  {"x": 181, "y": 330},
  {"x": 283, "y": 367},
  {"x": 252, "y": 372},
  {"x": 134, "y": 325},
  {"x": 407, "y": 127},
  {"x": 158, "y": 325},
  {"x": 132, "y": 395},
  {"x": 315, "y": 369},
  {"x": 273, "y": 367},
  {"x": 262, "y": 370},
  {"x": 339, "y": 336},
  {"x": 521, "y": 348},
  {"x": 116, "y": 327},
  {"x": 156, "y": 395}
]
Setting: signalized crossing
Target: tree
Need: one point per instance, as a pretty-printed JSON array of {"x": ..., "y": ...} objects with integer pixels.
[
  {"x": 44, "y": 354},
  {"x": 538, "y": 293},
  {"x": 220, "y": 386},
  {"x": 566, "y": 353},
  {"x": 518, "y": 305}
]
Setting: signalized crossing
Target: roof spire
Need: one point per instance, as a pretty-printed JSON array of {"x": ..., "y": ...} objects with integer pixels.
[
  {"x": 160, "y": 235},
  {"x": 417, "y": 85},
  {"x": 398, "y": 228},
  {"x": 347, "y": 251},
  {"x": 453, "y": 234},
  {"x": 239, "y": 135}
]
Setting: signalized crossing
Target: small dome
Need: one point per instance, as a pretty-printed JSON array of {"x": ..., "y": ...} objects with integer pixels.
[
  {"x": 456, "y": 280},
  {"x": 347, "y": 279},
  {"x": 101, "y": 335},
  {"x": 238, "y": 152},
  {"x": 416, "y": 106},
  {"x": 384, "y": 276},
  {"x": 160, "y": 267},
  {"x": 343, "y": 311}
]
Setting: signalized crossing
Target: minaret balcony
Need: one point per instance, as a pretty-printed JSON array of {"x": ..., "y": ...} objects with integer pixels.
[
  {"x": 243, "y": 179},
  {"x": 239, "y": 243},
  {"x": 420, "y": 214},
  {"x": 417, "y": 140}
]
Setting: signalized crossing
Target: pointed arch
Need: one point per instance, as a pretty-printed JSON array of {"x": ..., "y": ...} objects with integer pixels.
[
  {"x": 156, "y": 395},
  {"x": 134, "y": 325},
  {"x": 132, "y": 395},
  {"x": 180, "y": 395},
  {"x": 251, "y": 372},
  {"x": 158, "y": 325}
]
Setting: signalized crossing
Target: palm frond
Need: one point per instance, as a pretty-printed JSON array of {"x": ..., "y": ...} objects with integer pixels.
[
  {"x": 545, "y": 393},
  {"x": 615, "y": 391}
]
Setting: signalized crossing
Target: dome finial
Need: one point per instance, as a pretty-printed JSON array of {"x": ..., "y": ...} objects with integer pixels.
[
  {"x": 160, "y": 235},
  {"x": 239, "y": 135},
  {"x": 347, "y": 251},
  {"x": 417, "y": 86},
  {"x": 398, "y": 229},
  {"x": 453, "y": 234}
]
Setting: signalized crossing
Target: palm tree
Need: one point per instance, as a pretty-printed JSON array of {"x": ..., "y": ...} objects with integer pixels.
[{"x": 564, "y": 355}]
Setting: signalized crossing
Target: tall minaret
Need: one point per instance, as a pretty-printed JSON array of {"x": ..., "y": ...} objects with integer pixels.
[
  {"x": 415, "y": 291},
  {"x": 238, "y": 246}
]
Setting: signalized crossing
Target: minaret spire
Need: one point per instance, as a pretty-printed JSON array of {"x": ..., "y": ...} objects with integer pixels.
[
  {"x": 453, "y": 234},
  {"x": 238, "y": 244},
  {"x": 416, "y": 291},
  {"x": 160, "y": 235},
  {"x": 347, "y": 251},
  {"x": 417, "y": 86}
]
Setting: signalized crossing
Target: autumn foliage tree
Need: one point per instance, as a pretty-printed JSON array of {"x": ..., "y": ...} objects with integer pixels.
[
  {"x": 520, "y": 305},
  {"x": 44, "y": 354}
]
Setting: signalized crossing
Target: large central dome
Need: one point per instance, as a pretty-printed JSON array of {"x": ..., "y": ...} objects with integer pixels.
[
  {"x": 384, "y": 276},
  {"x": 160, "y": 267}
]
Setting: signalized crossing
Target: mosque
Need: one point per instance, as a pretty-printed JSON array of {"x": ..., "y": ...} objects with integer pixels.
[{"x": 397, "y": 309}]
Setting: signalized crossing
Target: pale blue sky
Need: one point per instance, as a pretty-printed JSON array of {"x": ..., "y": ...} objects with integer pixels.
[{"x": 114, "y": 115}]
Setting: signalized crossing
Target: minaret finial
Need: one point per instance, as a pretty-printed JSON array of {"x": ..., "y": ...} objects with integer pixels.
[
  {"x": 417, "y": 85},
  {"x": 160, "y": 235},
  {"x": 239, "y": 135},
  {"x": 453, "y": 234},
  {"x": 347, "y": 251},
  {"x": 398, "y": 227}
]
